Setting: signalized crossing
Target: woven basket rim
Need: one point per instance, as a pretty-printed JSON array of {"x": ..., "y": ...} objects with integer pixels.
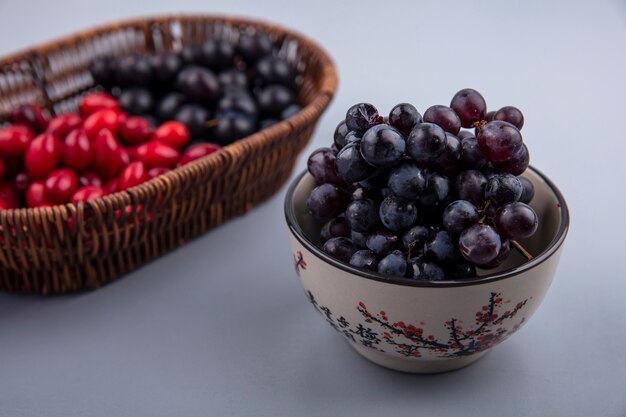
[{"x": 122, "y": 198}]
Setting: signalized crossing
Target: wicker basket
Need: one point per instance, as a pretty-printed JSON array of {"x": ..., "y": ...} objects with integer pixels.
[{"x": 73, "y": 247}]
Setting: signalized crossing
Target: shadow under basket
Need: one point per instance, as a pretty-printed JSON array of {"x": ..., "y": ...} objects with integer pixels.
[{"x": 74, "y": 247}]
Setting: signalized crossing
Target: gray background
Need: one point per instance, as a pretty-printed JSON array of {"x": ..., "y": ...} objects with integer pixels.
[{"x": 221, "y": 327}]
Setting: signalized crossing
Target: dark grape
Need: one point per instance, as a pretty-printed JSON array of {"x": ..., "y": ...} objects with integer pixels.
[
  {"x": 239, "y": 102},
  {"x": 510, "y": 114},
  {"x": 198, "y": 84},
  {"x": 447, "y": 162},
  {"x": 232, "y": 126},
  {"x": 274, "y": 99},
  {"x": 440, "y": 247},
  {"x": 516, "y": 221},
  {"x": 336, "y": 227},
  {"x": 517, "y": 164},
  {"x": 471, "y": 158},
  {"x": 359, "y": 239},
  {"x": 189, "y": 54},
  {"x": 362, "y": 215},
  {"x": 437, "y": 191},
  {"x": 233, "y": 79},
  {"x": 365, "y": 259},
  {"x": 459, "y": 215},
  {"x": 424, "y": 271},
  {"x": 404, "y": 117},
  {"x": 407, "y": 181},
  {"x": 499, "y": 141},
  {"x": 528, "y": 190},
  {"x": 480, "y": 244},
  {"x": 426, "y": 142},
  {"x": 102, "y": 70},
  {"x": 503, "y": 188},
  {"x": 133, "y": 71},
  {"x": 470, "y": 185},
  {"x": 361, "y": 192},
  {"x": 350, "y": 164},
  {"x": 290, "y": 111},
  {"x": 361, "y": 117},
  {"x": 415, "y": 238},
  {"x": 396, "y": 214},
  {"x": 326, "y": 201},
  {"x": 265, "y": 123},
  {"x": 469, "y": 105},
  {"x": 216, "y": 54},
  {"x": 505, "y": 250},
  {"x": 382, "y": 242},
  {"x": 340, "y": 248},
  {"x": 195, "y": 118},
  {"x": 165, "y": 66},
  {"x": 136, "y": 100},
  {"x": 339, "y": 138},
  {"x": 465, "y": 134},
  {"x": 382, "y": 146},
  {"x": 321, "y": 164},
  {"x": 275, "y": 70},
  {"x": 393, "y": 264},
  {"x": 443, "y": 117},
  {"x": 489, "y": 115},
  {"x": 254, "y": 46},
  {"x": 169, "y": 105}
]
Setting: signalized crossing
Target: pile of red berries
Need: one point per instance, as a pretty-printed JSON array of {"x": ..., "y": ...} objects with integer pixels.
[
  {"x": 77, "y": 157},
  {"x": 420, "y": 197}
]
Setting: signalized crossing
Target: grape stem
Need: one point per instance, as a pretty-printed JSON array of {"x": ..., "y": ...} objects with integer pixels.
[
  {"x": 479, "y": 124},
  {"x": 521, "y": 249}
]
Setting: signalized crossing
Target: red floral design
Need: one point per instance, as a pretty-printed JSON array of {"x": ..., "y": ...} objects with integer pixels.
[{"x": 299, "y": 262}]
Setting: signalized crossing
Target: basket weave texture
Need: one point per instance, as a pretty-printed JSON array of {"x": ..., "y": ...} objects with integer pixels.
[{"x": 74, "y": 247}]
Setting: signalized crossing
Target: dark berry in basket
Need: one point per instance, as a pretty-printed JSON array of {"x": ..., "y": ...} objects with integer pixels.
[
  {"x": 275, "y": 70},
  {"x": 499, "y": 141},
  {"x": 254, "y": 46},
  {"x": 133, "y": 71},
  {"x": 216, "y": 54},
  {"x": 102, "y": 71},
  {"x": 291, "y": 110},
  {"x": 136, "y": 101},
  {"x": 273, "y": 99},
  {"x": 199, "y": 84},
  {"x": 169, "y": 105},
  {"x": 240, "y": 102},
  {"x": 480, "y": 244},
  {"x": 189, "y": 54},
  {"x": 232, "y": 126},
  {"x": 233, "y": 79},
  {"x": 407, "y": 180},
  {"x": 195, "y": 117},
  {"x": 341, "y": 131},
  {"x": 516, "y": 221},
  {"x": 470, "y": 185},
  {"x": 265, "y": 123},
  {"x": 165, "y": 66}
]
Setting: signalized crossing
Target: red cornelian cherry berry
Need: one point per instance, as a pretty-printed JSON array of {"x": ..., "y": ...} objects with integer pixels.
[
  {"x": 88, "y": 192},
  {"x": 60, "y": 186},
  {"x": 43, "y": 155},
  {"x": 135, "y": 130},
  {"x": 102, "y": 119},
  {"x": 157, "y": 154},
  {"x": 14, "y": 141},
  {"x": 76, "y": 150},
  {"x": 30, "y": 115},
  {"x": 197, "y": 151},
  {"x": 89, "y": 178},
  {"x": 112, "y": 186},
  {"x": 93, "y": 102},
  {"x": 63, "y": 124},
  {"x": 9, "y": 193},
  {"x": 108, "y": 154},
  {"x": 21, "y": 181},
  {"x": 133, "y": 174},
  {"x": 156, "y": 171},
  {"x": 172, "y": 133},
  {"x": 4, "y": 205},
  {"x": 35, "y": 196}
]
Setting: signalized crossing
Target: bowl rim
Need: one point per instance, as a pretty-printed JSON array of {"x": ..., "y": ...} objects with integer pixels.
[{"x": 548, "y": 252}]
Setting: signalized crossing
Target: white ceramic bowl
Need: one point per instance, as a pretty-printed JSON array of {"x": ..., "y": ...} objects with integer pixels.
[{"x": 427, "y": 327}]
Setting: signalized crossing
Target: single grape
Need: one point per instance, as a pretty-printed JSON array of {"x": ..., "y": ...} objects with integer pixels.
[
  {"x": 382, "y": 242},
  {"x": 459, "y": 215},
  {"x": 340, "y": 248},
  {"x": 407, "y": 180},
  {"x": 326, "y": 201},
  {"x": 216, "y": 54},
  {"x": 362, "y": 117},
  {"x": 436, "y": 193},
  {"x": 447, "y": 162},
  {"x": 199, "y": 84},
  {"x": 275, "y": 70},
  {"x": 254, "y": 46},
  {"x": 133, "y": 71},
  {"x": 470, "y": 185},
  {"x": 460, "y": 269},
  {"x": 365, "y": 259},
  {"x": 359, "y": 239},
  {"x": 444, "y": 117},
  {"x": 471, "y": 158},
  {"x": 393, "y": 264},
  {"x": 396, "y": 214},
  {"x": 233, "y": 80},
  {"x": 136, "y": 101},
  {"x": 237, "y": 101},
  {"x": 505, "y": 250},
  {"x": 362, "y": 215},
  {"x": 382, "y": 146},
  {"x": 165, "y": 66},
  {"x": 489, "y": 115},
  {"x": 336, "y": 227},
  {"x": 503, "y": 188},
  {"x": 469, "y": 105},
  {"x": 480, "y": 244},
  {"x": 339, "y": 138},
  {"x": 440, "y": 247},
  {"x": 517, "y": 164},
  {"x": 195, "y": 118},
  {"x": 414, "y": 238},
  {"x": 404, "y": 117},
  {"x": 516, "y": 221},
  {"x": 350, "y": 164},
  {"x": 529, "y": 190},
  {"x": 321, "y": 164},
  {"x": 499, "y": 141},
  {"x": 424, "y": 271},
  {"x": 274, "y": 99},
  {"x": 232, "y": 126},
  {"x": 510, "y": 114},
  {"x": 290, "y": 111},
  {"x": 169, "y": 106},
  {"x": 426, "y": 142}
]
